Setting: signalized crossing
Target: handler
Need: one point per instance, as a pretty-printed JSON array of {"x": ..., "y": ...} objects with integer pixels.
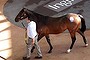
[{"x": 32, "y": 40}]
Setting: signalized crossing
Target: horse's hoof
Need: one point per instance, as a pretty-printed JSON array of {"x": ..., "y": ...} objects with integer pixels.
[
  {"x": 49, "y": 51},
  {"x": 86, "y": 45},
  {"x": 69, "y": 50}
]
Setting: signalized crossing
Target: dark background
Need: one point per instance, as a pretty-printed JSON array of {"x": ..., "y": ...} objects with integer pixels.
[{"x": 12, "y": 8}]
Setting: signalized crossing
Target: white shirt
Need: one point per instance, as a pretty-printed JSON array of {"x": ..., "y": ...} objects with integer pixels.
[{"x": 31, "y": 29}]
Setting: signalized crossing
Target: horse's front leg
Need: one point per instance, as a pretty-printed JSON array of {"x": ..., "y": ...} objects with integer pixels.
[
  {"x": 39, "y": 37},
  {"x": 48, "y": 40}
]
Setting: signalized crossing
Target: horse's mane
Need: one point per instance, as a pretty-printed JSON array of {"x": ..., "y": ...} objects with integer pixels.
[{"x": 40, "y": 18}]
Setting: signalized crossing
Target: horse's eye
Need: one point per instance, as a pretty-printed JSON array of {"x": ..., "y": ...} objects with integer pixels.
[
  {"x": 24, "y": 14},
  {"x": 21, "y": 17}
]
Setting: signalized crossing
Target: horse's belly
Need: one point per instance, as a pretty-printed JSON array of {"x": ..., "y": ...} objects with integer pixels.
[{"x": 57, "y": 30}]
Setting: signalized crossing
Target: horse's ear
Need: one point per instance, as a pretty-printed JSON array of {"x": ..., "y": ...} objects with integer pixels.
[{"x": 24, "y": 9}]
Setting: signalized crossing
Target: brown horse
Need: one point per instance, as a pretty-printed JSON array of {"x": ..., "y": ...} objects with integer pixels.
[{"x": 49, "y": 25}]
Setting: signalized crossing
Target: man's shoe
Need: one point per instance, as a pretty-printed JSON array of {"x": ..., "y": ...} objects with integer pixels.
[
  {"x": 38, "y": 57},
  {"x": 25, "y": 58}
]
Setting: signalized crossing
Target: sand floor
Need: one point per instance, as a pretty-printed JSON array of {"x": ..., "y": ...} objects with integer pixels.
[{"x": 12, "y": 45}]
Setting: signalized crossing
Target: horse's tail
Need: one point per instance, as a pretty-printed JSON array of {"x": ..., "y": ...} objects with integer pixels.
[{"x": 83, "y": 25}]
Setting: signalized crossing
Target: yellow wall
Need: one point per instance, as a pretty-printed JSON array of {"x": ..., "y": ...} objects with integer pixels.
[{"x": 10, "y": 40}]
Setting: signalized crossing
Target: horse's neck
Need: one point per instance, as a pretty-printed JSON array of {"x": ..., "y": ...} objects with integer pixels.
[{"x": 41, "y": 18}]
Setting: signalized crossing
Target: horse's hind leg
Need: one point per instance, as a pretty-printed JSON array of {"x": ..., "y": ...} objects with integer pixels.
[
  {"x": 84, "y": 39},
  {"x": 48, "y": 40},
  {"x": 73, "y": 37}
]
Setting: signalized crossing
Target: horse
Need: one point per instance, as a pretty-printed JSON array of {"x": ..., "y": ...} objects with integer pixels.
[{"x": 54, "y": 25}]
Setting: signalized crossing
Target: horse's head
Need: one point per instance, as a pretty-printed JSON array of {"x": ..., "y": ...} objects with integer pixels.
[{"x": 24, "y": 13}]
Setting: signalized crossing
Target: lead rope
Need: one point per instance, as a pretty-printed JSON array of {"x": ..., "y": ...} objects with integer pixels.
[
  {"x": 25, "y": 35},
  {"x": 3, "y": 58}
]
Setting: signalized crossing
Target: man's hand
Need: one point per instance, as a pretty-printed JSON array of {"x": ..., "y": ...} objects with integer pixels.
[{"x": 33, "y": 41}]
